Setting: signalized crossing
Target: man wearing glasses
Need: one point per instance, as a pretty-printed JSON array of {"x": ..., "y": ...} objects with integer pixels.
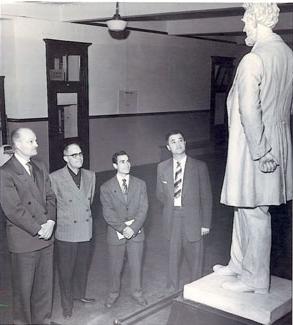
[{"x": 74, "y": 188}]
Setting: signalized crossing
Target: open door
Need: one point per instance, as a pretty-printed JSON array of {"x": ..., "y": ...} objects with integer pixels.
[{"x": 221, "y": 81}]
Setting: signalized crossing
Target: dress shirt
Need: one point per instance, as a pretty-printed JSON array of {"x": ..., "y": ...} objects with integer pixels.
[
  {"x": 120, "y": 177},
  {"x": 76, "y": 177},
  {"x": 178, "y": 200},
  {"x": 23, "y": 162}
]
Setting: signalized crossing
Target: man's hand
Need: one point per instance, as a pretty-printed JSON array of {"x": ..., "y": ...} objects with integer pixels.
[
  {"x": 268, "y": 163},
  {"x": 205, "y": 231},
  {"x": 46, "y": 230},
  {"x": 128, "y": 232}
]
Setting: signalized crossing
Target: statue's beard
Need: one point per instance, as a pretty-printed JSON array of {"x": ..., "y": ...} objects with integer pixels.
[{"x": 251, "y": 38}]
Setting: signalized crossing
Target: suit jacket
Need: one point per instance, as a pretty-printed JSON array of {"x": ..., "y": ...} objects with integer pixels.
[
  {"x": 259, "y": 105},
  {"x": 27, "y": 204},
  {"x": 117, "y": 210},
  {"x": 74, "y": 218},
  {"x": 196, "y": 196}
]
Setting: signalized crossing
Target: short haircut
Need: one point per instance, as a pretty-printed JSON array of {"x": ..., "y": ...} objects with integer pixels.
[
  {"x": 172, "y": 132},
  {"x": 15, "y": 135},
  {"x": 68, "y": 144},
  {"x": 117, "y": 154}
]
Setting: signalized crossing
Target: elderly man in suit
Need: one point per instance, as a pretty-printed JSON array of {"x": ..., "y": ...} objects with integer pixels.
[
  {"x": 29, "y": 206},
  {"x": 125, "y": 205},
  {"x": 74, "y": 188},
  {"x": 183, "y": 187},
  {"x": 259, "y": 162}
]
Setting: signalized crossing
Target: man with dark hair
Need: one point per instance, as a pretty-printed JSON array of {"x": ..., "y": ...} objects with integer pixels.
[
  {"x": 183, "y": 187},
  {"x": 125, "y": 205},
  {"x": 29, "y": 205},
  {"x": 74, "y": 188}
]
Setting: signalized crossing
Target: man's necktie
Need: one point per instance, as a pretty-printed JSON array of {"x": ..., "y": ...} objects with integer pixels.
[
  {"x": 124, "y": 186},
  {"x": 177, "y": 180},
  {"x": 30, "y": 167},
  {"x": 124, "y": 189}
]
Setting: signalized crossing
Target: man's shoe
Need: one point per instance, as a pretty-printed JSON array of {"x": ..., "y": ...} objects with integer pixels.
[
  {"x": 223, "y": 270},
  {"x": 87, "y": 300},
  {"x": 140, "y": 300},
  {"x": 111, "y": 300},
  {"x": 67, "y": 314},
  {"x": 239, "y": 286}
]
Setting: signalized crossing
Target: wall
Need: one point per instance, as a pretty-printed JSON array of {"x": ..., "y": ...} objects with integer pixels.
[
  {"x": 141, "y": 136},
  {"x": 169, "y": 74}
]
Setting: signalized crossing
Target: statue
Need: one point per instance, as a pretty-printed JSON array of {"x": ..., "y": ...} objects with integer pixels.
[{"x": 259, "y": 163}]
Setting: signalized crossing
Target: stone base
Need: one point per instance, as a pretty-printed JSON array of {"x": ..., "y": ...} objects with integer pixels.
[{"x": 264, "y": 309}]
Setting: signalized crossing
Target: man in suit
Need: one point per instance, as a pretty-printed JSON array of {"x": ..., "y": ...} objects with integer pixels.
[
  {"x": 29, "y": 206},
  {"x": 74, "y": 188},
  {"x": 183, "y": 187},
  {"x": 125, "y": 204},
  {"x": 259, "y": 163}
]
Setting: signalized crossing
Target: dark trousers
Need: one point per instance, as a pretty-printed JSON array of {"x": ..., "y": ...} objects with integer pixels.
[
  {"x": 193, "y": 252},
  {"x": 134, "y": 256},
  {"x": 32, "y": 282},
  {"x": 73, "y": 261}
]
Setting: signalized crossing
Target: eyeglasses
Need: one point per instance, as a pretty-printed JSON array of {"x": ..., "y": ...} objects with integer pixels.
[{"x": 75, "y": 155}]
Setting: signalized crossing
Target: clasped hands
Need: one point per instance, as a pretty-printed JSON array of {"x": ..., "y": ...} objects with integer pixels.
[
  {"x": 128, "y": 232},
  {"x": 46, "y": 230},
  {"x": 268, "y": 163}
]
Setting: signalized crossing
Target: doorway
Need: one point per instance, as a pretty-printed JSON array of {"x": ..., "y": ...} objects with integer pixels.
[
  {"x": 221, "y": 80},
  {"x": 67, "y": 89}
]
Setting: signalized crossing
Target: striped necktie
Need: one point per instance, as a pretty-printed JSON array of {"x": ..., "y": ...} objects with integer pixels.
[
  {"x": 124, "y": 185},
  {"x": 30, "y": 167},
  {"x": 178, "y": 180}
]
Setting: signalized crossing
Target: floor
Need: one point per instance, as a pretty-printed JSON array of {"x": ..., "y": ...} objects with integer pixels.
[{"x": 217, "y": 246}]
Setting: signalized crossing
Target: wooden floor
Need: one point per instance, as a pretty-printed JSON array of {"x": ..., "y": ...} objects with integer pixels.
[{"x": 155, "y": 256}]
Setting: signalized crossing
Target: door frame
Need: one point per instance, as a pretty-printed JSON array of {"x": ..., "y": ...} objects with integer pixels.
[
  {"x": 3, "y": 111},
  {"x": 222, "y": 72},
  {"x": 54, "y": 46}
]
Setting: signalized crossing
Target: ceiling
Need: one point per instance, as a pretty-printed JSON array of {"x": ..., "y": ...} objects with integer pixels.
[{"x": 210, "y": 20}]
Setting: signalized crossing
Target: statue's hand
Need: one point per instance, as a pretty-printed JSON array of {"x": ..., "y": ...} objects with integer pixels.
[{"x": 268, "y": 163}]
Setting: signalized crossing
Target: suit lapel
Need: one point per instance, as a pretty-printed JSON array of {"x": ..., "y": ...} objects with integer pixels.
[
  {"x": 84, "y": 185},
  {"x": 131, "y": 188},
  {"x": 170, "y": 177},
  {"x": 186, "y": 177},
  {"x": 117, "y": 190},
  {"x": 35, "y": 187}
]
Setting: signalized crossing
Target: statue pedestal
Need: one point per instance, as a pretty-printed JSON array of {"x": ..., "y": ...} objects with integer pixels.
[{"x": 263, "y": 309}]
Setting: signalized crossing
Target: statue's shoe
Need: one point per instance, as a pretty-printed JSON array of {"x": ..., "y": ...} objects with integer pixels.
[
  {"x": 223, "y": 270},
  {"x": 239, "y": 286}
]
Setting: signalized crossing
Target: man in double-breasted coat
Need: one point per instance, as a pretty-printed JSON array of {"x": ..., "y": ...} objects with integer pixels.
[
  {"x": 259, "y": 163},
  {"x": 125, "y": 204},
  {"x": 29, "y": 206},
  {"x": 74, "y": 188}
]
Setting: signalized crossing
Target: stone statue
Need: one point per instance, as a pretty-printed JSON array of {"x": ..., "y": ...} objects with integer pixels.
[{"x": 259, "y": 163}]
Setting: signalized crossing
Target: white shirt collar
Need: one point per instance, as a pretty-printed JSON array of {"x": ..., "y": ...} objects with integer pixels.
[
  {"x": 120, "y": 177},
  {"x": 22, "y": 160},
  {"x": 182, "y": 161}
]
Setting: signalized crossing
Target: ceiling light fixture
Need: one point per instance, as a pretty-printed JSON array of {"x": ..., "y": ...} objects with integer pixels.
[{"x": 116, "y": 24}]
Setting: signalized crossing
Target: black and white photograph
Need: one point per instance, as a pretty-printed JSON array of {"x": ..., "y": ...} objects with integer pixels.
[{"x": 146, "y": 162}]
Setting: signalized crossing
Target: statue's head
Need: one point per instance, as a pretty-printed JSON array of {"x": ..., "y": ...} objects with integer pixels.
[{"x": 265, "y": 14}]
